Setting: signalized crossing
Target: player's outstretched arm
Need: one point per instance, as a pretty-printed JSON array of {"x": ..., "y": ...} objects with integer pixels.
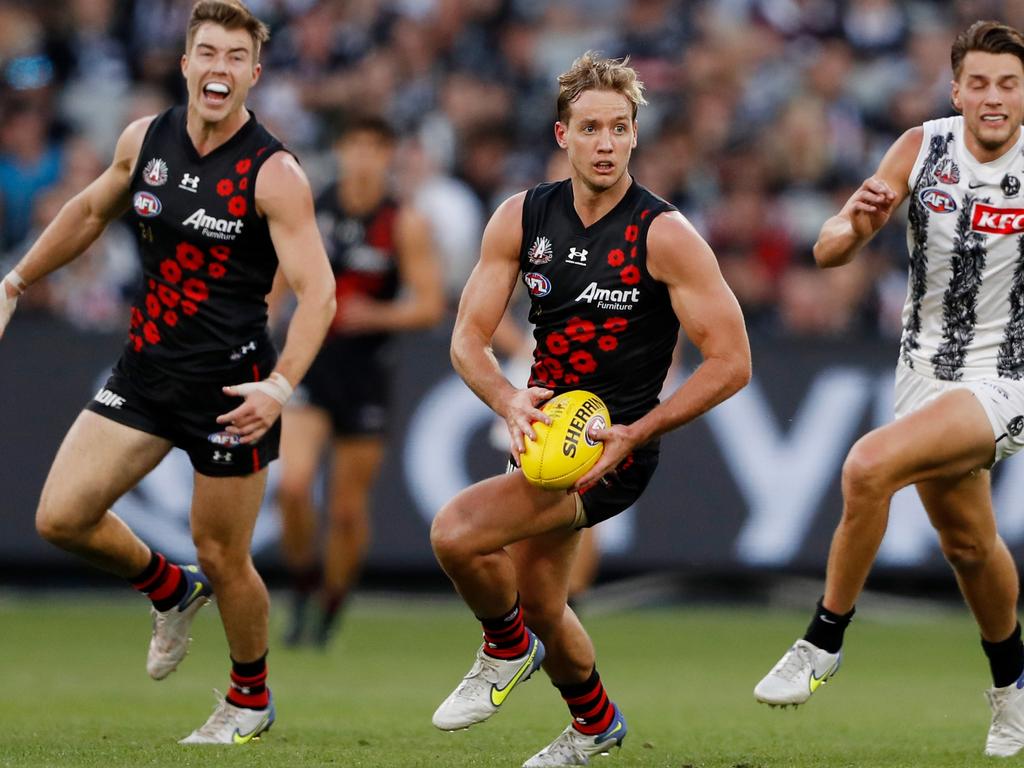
[
  {"x": 710, "y": 317},
  {"x": 80, "y": 221},
  {"x": 284, "y": 197},
  {"x": 481, "y": 307},
  {"x": 870, "y": 207}
]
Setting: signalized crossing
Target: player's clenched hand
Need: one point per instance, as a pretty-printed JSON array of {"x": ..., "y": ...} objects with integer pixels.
[
  {"x": 11, "y": 287},
  {"x": 618, "y": 442},
  {"x": 521, "y": 411},
  {"x": 870, "y": 206},
  {"x": 262, "y": 407}
]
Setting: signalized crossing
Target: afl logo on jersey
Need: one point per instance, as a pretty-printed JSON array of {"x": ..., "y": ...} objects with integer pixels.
[
  {"x": 146, "y": 204},
  {"x": 937, "y": 200},
  {"x": 537, "y": 284}
]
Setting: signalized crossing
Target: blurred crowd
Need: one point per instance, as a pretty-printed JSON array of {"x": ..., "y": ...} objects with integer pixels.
[{"x": 764, "y": 115}]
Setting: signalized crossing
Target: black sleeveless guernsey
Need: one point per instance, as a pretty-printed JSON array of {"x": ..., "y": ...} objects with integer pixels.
[
  {"x": 207, "y": 258},
  {"x": 602, "y": 323}
]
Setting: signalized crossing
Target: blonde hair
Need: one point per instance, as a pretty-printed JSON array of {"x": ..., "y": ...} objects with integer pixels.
[
  {"x": 592, "y": 72},
  {"x": 230, "y": 14}
]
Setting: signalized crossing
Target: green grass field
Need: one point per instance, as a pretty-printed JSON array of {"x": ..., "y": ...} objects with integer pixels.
[{"x": 73, "y": 691}]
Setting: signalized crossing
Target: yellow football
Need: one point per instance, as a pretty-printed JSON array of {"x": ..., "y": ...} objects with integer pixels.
[{"x": 564, "y": 450}]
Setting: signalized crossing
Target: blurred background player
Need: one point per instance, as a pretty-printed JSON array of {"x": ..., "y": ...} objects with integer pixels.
[
  {"x": 959, "y": 391},
  {"x": 387, "y": 281},
  {"x": 217, "y": 205},
  {"x": 507, "y": 545}
]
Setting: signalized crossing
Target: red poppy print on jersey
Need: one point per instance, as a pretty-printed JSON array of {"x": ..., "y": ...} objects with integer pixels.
[
  {"x": 136, "y": 320},
  {"x": 242, "y": 166},
  {"x": 243, "y": 184},
  {"x": 189, "y": 256},
  {"x": 189, "y": 307},
  {"x": 645, "y": 213},
  {"x": 608, "y": 343},
  {"x": 152, "y": 335},
  {"x": 582, "y": 361},
  {"x": 152, "y": 305},
  {"x": 168, "y": 296},
  {"x": 171, "y": 318},
  {"x": 615, "y": 324},
  {"x": 217, "y": 271},
  {"x": 225, "y": 187},
  {"x": 616, "y": 258},
  {"x": 630, "y": 275},
  {"x": 170, "y": 270},
  {"x": 136, "y": 342},
  {"x": 579, "y": 330},
  {"x": 571, "y": 379},
  {"x": 632, "y": 233},
  {"x": 237, "y": 206},
  {"x": 196, "y": 289},
  {"x": 557, "y": 344},
  {"x": 548, "y": 370},
  {"x": 220, "y": 252}
]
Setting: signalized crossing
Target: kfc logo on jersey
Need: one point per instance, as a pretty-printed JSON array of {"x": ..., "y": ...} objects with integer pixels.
[
  {"x": 210, "y": 226},
  {"x": 537, "y": 284},
  {"x": 577, "y": 257},
  {"x": 938, "y": 200},
  {"x": 146, "y": 204},
  {"x": 947, "y": 171},
  {"x": 155, "y": 172},
  {"x": 189, "y": 183},
  {"x": 541, "y": 251},
  {"x": 998, "y": 221}
]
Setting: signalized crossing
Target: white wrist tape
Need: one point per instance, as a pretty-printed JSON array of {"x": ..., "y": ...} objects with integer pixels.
[
  {"x": 16, "y": 281},
  {"x": 278, "y": 387}
]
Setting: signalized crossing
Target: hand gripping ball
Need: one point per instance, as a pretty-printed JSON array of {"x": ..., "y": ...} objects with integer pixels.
[{"x": 564, "y": 451}]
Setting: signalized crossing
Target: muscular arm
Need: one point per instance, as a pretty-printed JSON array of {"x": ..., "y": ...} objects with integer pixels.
[
  {"x": 710, "y": 317},
  {"x": 483, "y": 303},
  {"x": 421, "y": 303},
  {"x": 870, "y": 207},
  {"x": 284, "y": 197}
]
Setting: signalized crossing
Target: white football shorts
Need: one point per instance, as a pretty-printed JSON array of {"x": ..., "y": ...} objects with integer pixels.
[{"x": 1002, "y": 399}]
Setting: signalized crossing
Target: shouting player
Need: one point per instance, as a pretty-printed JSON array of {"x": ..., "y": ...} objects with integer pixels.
[{"x": 217, "y": 205}]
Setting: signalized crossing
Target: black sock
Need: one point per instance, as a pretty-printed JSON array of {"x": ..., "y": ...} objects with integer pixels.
[
  {"x": 1005, "y": 658},
  {"x": 826, "y": 628}
]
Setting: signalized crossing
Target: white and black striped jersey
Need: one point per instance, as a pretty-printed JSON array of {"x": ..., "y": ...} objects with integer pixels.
[{"x": 964, "y": 314}]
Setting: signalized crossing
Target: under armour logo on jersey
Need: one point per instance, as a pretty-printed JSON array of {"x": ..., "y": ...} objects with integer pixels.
[
  {"x": 189, "y": 183},
  {"x": 239, "y": 353},
  {"x": 224, "y": 457},
  {"x": 577, "y": 257}
]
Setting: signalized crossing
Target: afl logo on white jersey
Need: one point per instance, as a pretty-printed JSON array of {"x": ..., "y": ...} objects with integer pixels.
[
  {"x": 938, "y": 200},
  {"x": 537, "y": 284},
  {"x": 146, "y": 204}
]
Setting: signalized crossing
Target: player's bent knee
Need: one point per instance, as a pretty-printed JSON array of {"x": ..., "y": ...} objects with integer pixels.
[
  {"x": 865, "y": 471},
  {"x": 56, "y": 526},
  {"x": 449, "y": 537},
  {"x": 966, "y": 553},
  {"x": 219, "y": 562}
]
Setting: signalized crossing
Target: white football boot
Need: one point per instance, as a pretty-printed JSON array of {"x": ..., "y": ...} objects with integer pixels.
[
  {"x": 1006, "y": 734},
  {"x": 484, "y": 688},
  {"x": 170, "y": 640},
  {"x": 575, "y": 748},
  {"x": 232, "y": 725},
  {"x": 799, "y": 673}
]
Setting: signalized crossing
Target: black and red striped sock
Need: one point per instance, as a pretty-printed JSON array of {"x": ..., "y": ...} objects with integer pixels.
[
  {"x": 591, "y": 709},
  {"x": 505, "y": 636},
  {"x": 162, "y": 582},
  {"x": 249, "y": 684}
]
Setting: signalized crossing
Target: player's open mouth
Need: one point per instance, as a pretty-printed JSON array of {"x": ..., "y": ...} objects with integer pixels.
[
  {"x": 216, "y": 93},
  {"x": 993, "y": 118},
  {"x": 604, "y": 166}
]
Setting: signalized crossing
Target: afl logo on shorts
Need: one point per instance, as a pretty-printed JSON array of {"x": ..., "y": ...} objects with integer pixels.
[
  {"x": 537, "y": 284},
  {"x": 937, "y": 200},
  {"x": 146, "y": 204}
]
